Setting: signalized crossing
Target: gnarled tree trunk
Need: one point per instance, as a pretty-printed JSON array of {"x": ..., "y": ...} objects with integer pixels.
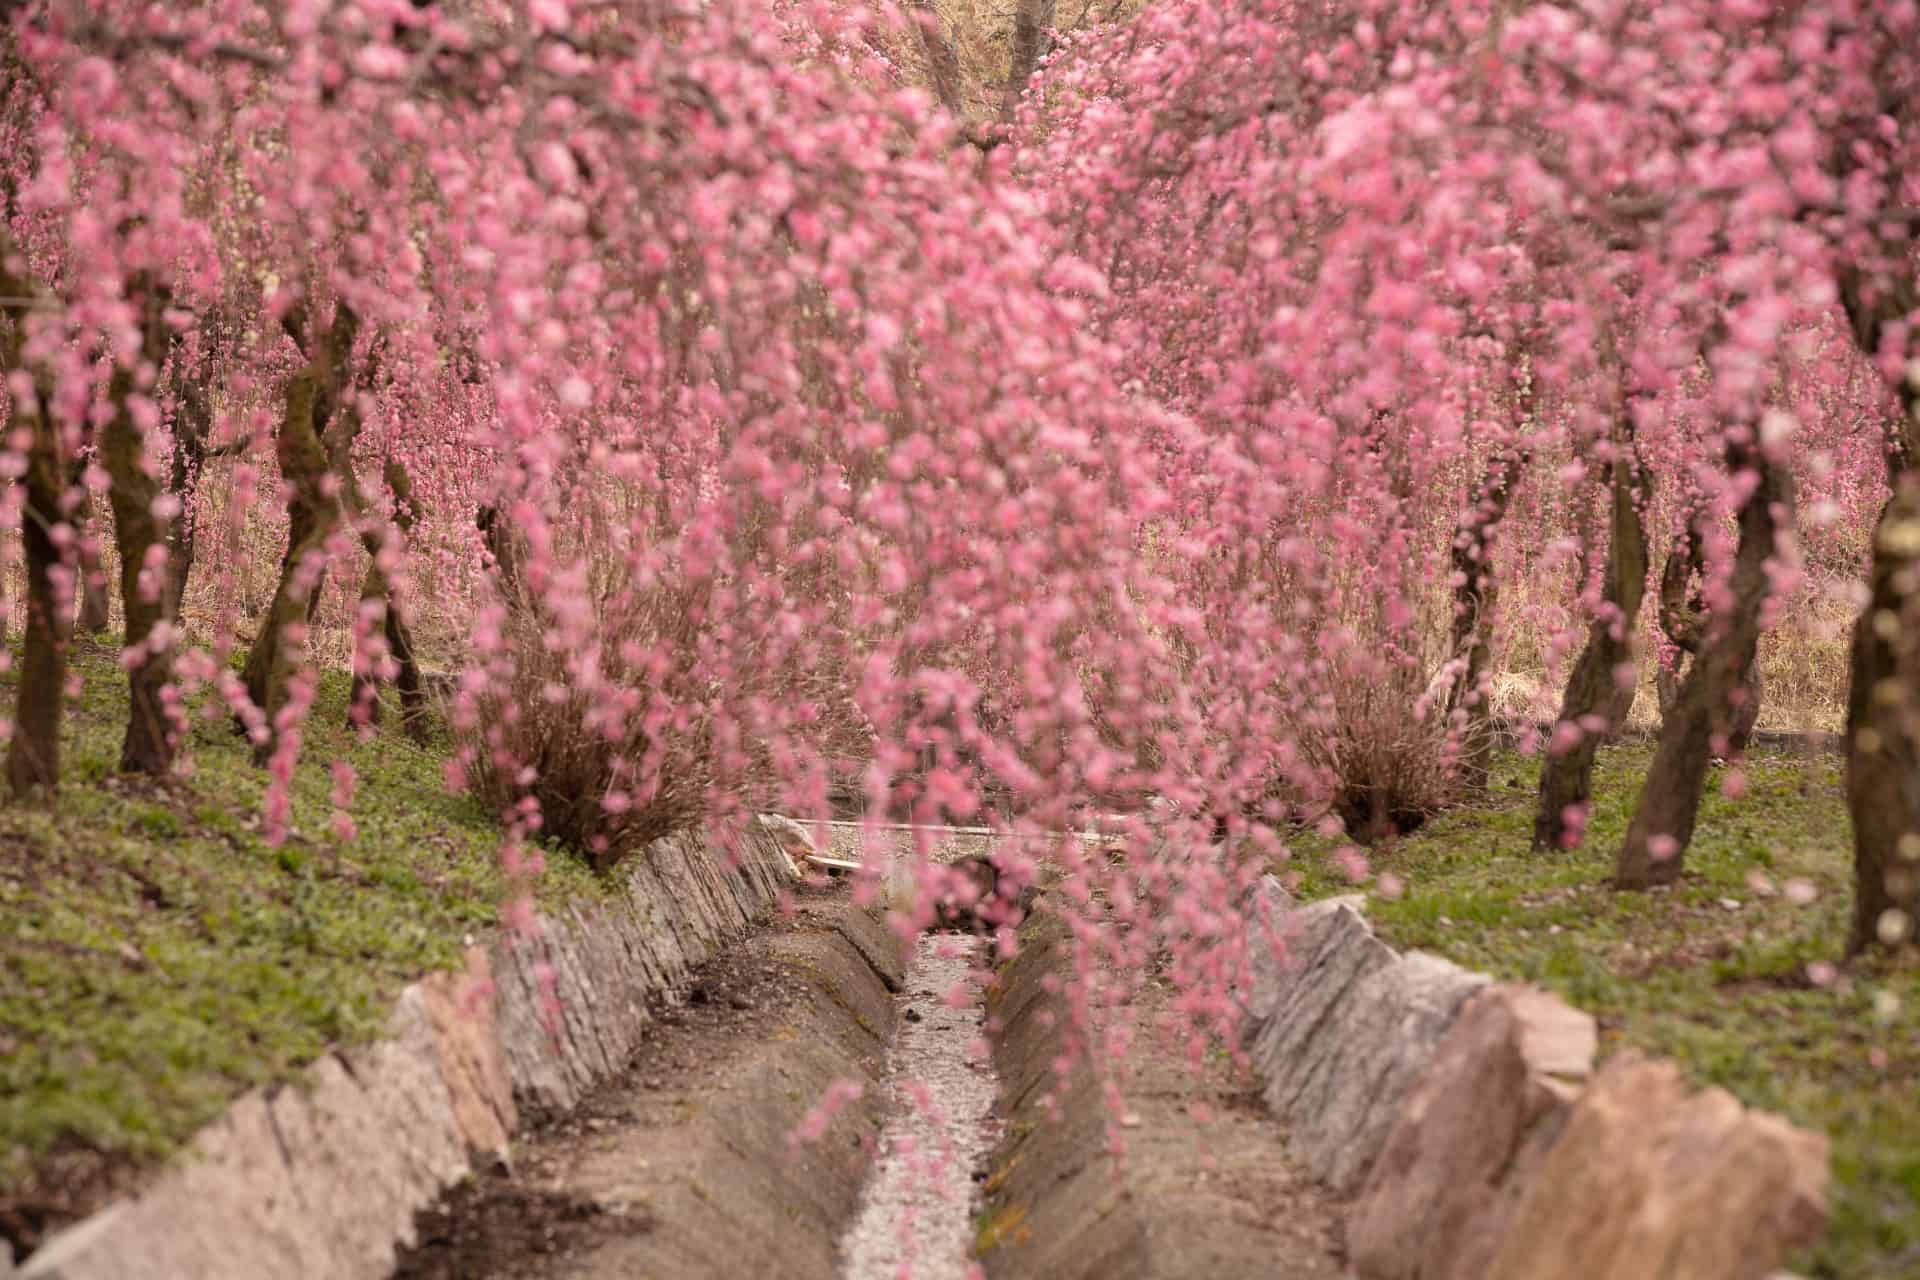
[
  {"x": 1702, "y": 719},
  {"x": 33, "y": 756},
  {"x": 503, "y": 551},
  {"x": 943, "y": 66},
  {"x": 95, "y": 611},
  {"x": 192, "y": 448},
  {"x": 313, "y": 515},
  {"x": 1682, "y": 618},
  {"x": 1883, "y": 732},
  {"x": 146, "y": 598},
  {"x": 1681, "y": 611},
  {"x": 1593, "y": 689}
]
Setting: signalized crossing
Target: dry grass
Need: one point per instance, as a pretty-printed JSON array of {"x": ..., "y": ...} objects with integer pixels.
[{"x": 1803, "y": 668}]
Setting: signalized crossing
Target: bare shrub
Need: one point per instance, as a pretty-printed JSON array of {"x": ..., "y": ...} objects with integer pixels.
[
  {"x": 1389, "y": 756},
  {"x": 605, "y": 733}
]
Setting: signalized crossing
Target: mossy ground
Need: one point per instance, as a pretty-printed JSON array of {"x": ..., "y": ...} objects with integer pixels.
[
  {"x": 157, "y": 958},
  {"x": 1712, "y": 971}
]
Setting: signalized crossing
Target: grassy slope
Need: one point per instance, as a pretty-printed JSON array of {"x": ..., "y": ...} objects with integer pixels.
[
  {"x": 1678, "y": 972},
  {"x": 157, "y": 958}
]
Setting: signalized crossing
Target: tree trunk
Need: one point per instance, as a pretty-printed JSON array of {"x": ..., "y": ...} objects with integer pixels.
[
  {"x": 1593, "y": 689},
  {"x": 1883, "y": 700},
  {"x": 1703, "y": 719},
  {"x": 504, "y": 552},
  {"x": 376, "y": 596},
  {"x": 1883, "y": 733},
  {"x": 192, "y": 427},
  {"x": 1474, "y": 599},
  {"x": 95, "y": 610},
  {"x": 33, "y": 756},
  {"x": 1031, "y": 20},
  {"x": 151, "y": 736},
  {"x": 313, "y": 515}
]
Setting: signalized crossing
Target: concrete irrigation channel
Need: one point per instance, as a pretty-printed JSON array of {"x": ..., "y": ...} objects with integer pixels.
[
  {"x": 729, "y": 1070},
  {"x": 823, "y": 1102}
]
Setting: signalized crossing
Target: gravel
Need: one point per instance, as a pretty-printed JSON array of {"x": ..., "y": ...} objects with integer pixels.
[{"x": 916, "y": 1212}]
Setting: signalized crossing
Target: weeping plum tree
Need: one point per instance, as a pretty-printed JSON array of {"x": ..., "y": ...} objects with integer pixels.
[
  {"x": 1155, "y": 421},
  {"x": 1701, "y": 721}
]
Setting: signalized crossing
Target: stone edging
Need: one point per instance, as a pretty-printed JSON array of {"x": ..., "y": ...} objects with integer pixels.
[
  {"x": 1054, "y": 1206},
  {"x": 1465, "y": 1119},
  {"x": 320, "y": 1179}
]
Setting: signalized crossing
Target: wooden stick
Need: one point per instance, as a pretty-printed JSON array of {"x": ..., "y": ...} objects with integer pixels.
[{"x": 1085, "y": 833}]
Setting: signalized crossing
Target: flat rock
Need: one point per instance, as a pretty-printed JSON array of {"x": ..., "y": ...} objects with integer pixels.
[
  {"x": 1326, "y": 948},
  {"x": 1348, "y": 1083},
  {"x": 310, "y": 1181},
  {"x": 1653, "y": 1181}
]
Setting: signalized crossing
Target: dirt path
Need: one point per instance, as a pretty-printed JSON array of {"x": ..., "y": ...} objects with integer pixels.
[{"x": 916, "y": 1215}]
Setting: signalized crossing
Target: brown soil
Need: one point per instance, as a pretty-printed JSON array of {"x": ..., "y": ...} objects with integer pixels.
[
  {"x": 681, "y": 1166},
  {"x": 63, "y": 1186}
]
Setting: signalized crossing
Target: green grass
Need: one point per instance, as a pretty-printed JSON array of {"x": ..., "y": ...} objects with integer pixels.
[
  {"x": 157, "y": 958},
  {"x": 1677, "y": 972}
]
